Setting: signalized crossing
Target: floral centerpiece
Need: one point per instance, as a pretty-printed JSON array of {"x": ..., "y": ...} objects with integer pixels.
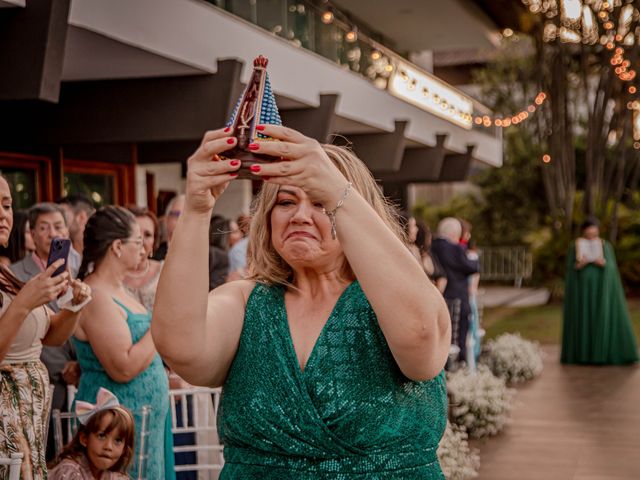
[
  {"x": 457, "y": 460},
  {"x": 479, "y": 401},
  {"x": 513, "y": 358}
]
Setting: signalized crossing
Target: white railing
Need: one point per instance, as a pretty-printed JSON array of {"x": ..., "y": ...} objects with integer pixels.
[{"x": 506, "y": 264}]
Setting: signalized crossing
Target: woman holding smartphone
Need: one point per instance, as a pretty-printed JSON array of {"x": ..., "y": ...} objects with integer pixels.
[{"x": 26, "y": 323}]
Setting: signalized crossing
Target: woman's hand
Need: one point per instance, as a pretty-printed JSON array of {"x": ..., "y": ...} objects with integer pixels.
[
  {"x": 81, "y": 291},
  {"x": 304, "y": 164},
  {"x": 43, "y": 288},
  {"x": 601, "y": 262},
  {"x": 208, "y": 175}
]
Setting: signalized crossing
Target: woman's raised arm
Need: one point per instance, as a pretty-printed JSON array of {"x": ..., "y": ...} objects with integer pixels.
[{"x": 197, "y": 334}]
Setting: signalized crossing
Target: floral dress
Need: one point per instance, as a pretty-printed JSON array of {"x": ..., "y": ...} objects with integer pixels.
[{"x": 24, "y": 395}]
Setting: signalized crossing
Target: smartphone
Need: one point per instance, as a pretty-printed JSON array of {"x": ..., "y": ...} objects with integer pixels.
[{"x": 59, "y": 248}]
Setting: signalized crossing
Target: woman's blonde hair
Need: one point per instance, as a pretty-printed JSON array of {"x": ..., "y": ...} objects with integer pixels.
[{"x": 265, "y": 264}]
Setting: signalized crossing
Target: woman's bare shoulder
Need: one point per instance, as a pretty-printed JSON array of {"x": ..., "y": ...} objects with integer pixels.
[{"x": 237, "y": 288}]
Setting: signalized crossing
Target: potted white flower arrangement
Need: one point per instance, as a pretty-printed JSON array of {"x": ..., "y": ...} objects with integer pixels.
[
  {"x": 479, "y": 401},
  {"x": 513, "y": 358},
  {"x": 457, "y": 460}
]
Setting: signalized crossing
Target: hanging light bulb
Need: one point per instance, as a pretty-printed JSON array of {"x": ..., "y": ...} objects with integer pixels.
[{"x": 327, "y": 17}]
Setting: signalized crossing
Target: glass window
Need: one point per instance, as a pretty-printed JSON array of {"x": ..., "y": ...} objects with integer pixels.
[
  {"x": 23, "y": 185},
  {"x": 99, "y": 188}
]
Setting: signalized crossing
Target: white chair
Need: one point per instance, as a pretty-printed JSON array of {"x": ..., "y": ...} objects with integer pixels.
[
  {"x": 65, "y": 425},
  {"x": 194, "y": 410},
  {"x": 13, "y": 462}
]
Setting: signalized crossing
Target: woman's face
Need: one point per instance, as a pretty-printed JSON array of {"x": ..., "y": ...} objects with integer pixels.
[
  {"x": 301, "y": 232},
  {"x": 148, "y": 234},
  {"x": 6, "y": 212},
  {"x": 133, "y": 252},
  {"x": 591, "y": 232}
]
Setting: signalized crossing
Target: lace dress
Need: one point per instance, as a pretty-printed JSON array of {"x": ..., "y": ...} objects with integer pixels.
[
  {"x": 351, "y": 414},
  {"x": 150, "y": 388},
  {"x": 146, "y": 294}
]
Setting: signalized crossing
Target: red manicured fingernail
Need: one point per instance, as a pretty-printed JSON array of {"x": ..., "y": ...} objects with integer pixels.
[
  {"x": 260, "y": 127},
  {"x": 230, "y": 140},
  {"x": 255, "y": 168},
  {"x": 254, "y": 146},
  {"x": 265, "y": 178},
  {"x": 234, "y": 163},
  {"x": 227, "y": 129},
  {"x": 233, "y": 174}
]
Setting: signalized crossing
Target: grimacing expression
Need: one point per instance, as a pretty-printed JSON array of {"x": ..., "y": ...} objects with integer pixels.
[
  {"x": 6, "y": 212},
  {"x": 301, "y": 231}
]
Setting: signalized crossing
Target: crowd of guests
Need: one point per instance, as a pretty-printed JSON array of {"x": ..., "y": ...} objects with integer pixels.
[
  {"x": 115, "y": 260},
  {"x": 451, "y": 260}
]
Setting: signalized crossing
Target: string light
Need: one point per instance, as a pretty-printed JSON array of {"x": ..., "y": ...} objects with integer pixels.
[
  {"x": 546, "y": 158},
  {"x": 616, "y": 38},
  {"x": 513, "y": 119},
  {"x": 352, "y": 35},
  {"x": 327, "y": 17}
]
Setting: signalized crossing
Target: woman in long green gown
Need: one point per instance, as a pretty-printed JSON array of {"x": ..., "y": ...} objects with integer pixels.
[
  {"x": 596, "y": 326},
  {"x": 331, "y": 356}
]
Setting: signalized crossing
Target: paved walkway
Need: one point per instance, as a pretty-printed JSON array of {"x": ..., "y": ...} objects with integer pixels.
[
  {"x": 503, "y": 296},
  {"x": 572, "y": 423}
]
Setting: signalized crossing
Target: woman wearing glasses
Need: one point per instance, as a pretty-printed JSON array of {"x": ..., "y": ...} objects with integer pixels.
[{"x": 113, "y": 340}]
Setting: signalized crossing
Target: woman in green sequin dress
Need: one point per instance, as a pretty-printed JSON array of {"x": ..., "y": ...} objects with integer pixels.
[{"x": 331, "y": 355}]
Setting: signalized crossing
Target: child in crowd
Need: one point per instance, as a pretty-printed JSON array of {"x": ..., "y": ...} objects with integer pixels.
[{"x": 102, "y": 447}]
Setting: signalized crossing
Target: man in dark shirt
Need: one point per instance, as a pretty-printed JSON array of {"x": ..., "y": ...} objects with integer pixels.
[{"x": 457, "y": 267}]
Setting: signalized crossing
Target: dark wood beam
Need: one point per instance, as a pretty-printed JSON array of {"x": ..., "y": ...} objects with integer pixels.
[
  {"x": 145, "y": 110},
  {"x": 456, "y": 166},
  {"x": 313, "y": 122},
  {"x": 32, "y": 43},
  {"x": 419, "y": 164},
  {"x": 381, "y": 151}
]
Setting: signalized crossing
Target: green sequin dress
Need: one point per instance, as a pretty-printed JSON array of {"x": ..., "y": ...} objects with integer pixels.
[{"x": 351, "y": 414}]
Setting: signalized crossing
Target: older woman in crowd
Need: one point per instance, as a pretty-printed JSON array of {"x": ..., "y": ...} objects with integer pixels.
[
  {"x": 331, "y": 355},
  {"x": 26, "y": 323},
  {"x": 142, "y": 283},
  {"x": 113, "y": 341}
]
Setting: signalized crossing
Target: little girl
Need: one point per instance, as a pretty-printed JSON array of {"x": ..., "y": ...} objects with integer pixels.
[{"x": 102, "y": 447}]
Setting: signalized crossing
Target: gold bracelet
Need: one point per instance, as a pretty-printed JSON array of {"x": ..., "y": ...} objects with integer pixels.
[{"x": 332, "y": 214}]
